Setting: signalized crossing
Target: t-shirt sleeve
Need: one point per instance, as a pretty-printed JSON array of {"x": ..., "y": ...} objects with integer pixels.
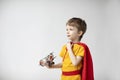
[
  {"x": 80, "y": 51},
  {"x": 62, "y": 51}
]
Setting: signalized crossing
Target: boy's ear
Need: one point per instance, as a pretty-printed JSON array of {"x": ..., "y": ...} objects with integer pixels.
[{"x": 80, "y": 33}]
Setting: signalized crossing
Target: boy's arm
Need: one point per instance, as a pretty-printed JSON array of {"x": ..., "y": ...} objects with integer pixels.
[
  {"x": 59, "y": 65},
  {"x": 74, "y": 59}
]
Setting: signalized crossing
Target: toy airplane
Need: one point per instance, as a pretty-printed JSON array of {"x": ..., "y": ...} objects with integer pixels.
[{"x": 47, "y": 60}]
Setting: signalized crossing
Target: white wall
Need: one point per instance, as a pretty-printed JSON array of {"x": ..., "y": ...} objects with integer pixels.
[{"x": 29, "y": 30}]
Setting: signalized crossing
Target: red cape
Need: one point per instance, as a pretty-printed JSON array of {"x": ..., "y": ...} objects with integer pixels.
[{"x": 87, "y": 70}]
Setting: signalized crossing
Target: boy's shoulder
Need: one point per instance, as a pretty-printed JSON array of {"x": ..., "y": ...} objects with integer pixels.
[
  {"x": 82, "y": 44},
  {"x": 64, "y": 46},
  {"x": 79, "y": 44}
]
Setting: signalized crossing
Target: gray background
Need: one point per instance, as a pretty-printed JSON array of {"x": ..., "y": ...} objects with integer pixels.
[{"x": 29, "y": 30}]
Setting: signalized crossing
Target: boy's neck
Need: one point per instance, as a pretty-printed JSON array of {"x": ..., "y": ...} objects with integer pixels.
[{"x": 75, "y": 41}]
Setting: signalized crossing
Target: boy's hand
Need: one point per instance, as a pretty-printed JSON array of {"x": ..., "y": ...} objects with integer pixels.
[
  {"x": 49, "y": 67},
  {"x": 69, "y": 46}
]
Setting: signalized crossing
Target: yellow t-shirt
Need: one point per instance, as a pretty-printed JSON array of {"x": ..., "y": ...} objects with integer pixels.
[{"x": 67, "y": 65}]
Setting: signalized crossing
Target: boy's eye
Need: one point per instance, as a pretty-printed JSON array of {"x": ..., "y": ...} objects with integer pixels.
[{"x": 71, "y": 29}]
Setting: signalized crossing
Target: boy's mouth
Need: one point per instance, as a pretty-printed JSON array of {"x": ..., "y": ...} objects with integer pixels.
[{"x": 68, "y": 35}]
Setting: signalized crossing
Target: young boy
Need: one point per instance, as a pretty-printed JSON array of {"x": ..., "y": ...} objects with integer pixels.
[{"x": 76, "y": 58}]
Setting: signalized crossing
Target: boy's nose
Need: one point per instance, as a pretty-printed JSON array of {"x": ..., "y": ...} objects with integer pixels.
[{"x": 67, "y": 32}]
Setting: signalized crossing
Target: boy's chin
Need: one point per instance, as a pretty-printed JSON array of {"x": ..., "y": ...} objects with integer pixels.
[{"x": 70, "y": 40}]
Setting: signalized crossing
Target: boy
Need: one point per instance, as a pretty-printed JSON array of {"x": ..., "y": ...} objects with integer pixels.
[{"x": 77, "y": 62}]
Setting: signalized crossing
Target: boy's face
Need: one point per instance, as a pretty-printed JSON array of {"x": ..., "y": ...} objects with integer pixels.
[{"x": 72, "y": 33}]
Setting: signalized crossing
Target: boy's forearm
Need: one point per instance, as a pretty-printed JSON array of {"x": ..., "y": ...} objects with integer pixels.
[
  {"x": 72, "y": 57},
  {"x": 75, "y": 59},
  {"x": 59, "y": 65}
]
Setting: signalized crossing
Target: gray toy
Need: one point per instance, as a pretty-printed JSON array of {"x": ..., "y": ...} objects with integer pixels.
[{"x": 47, "y": 61}]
